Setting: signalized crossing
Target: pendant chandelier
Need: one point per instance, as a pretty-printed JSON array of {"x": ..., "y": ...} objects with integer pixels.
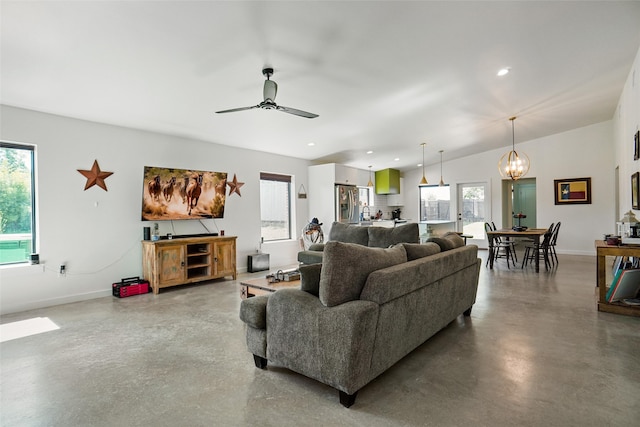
[
  {"x": 513, "y": 165},
  {"x": 441, "y": 180},
  {"x": 370, "y": 183},
  {"x": 423, "y": 181}
]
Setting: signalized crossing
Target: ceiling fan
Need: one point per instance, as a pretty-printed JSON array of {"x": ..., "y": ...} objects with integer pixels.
[{"x": 269, "y": 94}]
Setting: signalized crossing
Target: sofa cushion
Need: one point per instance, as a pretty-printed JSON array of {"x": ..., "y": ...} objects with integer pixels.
[
  {"x": 310, "y": 278},
  {"x": 380, "y": 237},
  {"x": 448, "y": 241},
  {"x": 417, "y": 250},
  {"x": 349, "y": 233},
  {"x": 346, "y": 266}
]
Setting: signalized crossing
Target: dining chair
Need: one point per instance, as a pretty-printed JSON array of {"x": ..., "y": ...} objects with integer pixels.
[
  {"x": 500, "y": 248},
  {"x": 542, "y": 252},
  {"x": 511, "y": 241},
  {"x": 552, "y": 244}
]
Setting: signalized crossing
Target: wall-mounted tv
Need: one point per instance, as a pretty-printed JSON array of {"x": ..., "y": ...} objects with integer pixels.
[{"x": 170, "y": 194}]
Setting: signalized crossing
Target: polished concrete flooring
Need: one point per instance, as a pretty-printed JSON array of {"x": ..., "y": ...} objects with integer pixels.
[{"x": 535, "y": 352}]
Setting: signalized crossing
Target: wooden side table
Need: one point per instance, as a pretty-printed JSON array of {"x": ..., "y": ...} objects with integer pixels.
[{"x": 603, "y": 251}]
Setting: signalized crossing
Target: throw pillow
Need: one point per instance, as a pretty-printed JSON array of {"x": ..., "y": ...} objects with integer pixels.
[
  {"x": 445, "y": 244},
  {"x": 346, "y": 266},
  {"x": 454, "y": 238},
  {"x": 416, "y": 250},
  {"x": 349, "y": 233}
]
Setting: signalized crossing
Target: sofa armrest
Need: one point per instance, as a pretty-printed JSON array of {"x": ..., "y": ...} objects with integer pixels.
[
  {"x": 253, "y": 311},
  {"x": 333, "y": 345},
  {"x": 310, "y": 257},
  {"x": 316, "y": 247}
]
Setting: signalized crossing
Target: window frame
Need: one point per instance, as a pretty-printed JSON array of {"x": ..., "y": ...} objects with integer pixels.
[
  {"x": 277, "y": 177},
  {"x": 423, "y": 214},
  {"x": 32, "y": 165}
]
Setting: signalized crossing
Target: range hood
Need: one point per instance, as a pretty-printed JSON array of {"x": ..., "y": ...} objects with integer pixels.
[{"x": 388, "y": 181}]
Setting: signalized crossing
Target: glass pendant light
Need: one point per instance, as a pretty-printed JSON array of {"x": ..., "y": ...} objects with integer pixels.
[
  {"x": 423, "y": 181},
  {"x": 513, "y": 165},
  {"x": 370, "y": 183},
  {"x": 441, "y": 180}
]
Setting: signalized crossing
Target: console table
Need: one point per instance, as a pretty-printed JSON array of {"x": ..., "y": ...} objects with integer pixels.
[
  {"x": 185, "y": 260},
  {"x": 603, "y": 251}
]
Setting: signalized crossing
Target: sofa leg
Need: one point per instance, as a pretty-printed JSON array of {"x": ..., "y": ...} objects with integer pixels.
[
  {"x": 347, "y": 400},
  {"x": 468, "y": 312},
  {"x": 260, "y": 362}
]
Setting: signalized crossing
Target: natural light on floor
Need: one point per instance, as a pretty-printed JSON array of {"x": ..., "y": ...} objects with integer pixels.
[{"x": 25, "y": 328}]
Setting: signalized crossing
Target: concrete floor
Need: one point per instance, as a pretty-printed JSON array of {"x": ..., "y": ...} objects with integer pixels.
[{"x": 535, "y": 352}]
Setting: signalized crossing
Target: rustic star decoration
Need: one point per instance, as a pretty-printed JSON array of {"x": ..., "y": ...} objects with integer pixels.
[
  {"x": 234, "y": 186},
  {"x": 95, "y": 176}
]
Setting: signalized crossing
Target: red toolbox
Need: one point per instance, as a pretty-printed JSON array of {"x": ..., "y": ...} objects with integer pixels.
[{"x": 130, "y": 286}]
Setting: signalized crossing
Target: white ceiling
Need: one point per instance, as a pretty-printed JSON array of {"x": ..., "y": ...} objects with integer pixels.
[{"x": 383, "y": 75}]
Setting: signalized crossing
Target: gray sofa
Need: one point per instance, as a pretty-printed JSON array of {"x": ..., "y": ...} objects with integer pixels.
[
  {"x": 362, "y": 310},
  {"x": 377, "y": 237}
]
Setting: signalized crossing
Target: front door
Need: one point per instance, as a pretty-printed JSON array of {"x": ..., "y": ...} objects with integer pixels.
[{"x": 474, "y": 209}]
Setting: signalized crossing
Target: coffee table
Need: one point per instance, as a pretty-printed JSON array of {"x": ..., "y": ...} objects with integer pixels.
[{"x": 261, "y": 286}]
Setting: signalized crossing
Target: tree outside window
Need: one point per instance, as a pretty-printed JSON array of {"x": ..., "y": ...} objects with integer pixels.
[{"x": 16, "y": 203}]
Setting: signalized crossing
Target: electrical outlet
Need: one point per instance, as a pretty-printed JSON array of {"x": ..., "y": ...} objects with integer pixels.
[{"x": 63, "y": 270}]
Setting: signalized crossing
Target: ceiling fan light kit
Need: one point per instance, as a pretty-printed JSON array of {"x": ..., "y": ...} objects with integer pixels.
[
  {"x": 269, "y": 92},
  {"x": 513, "y": 165}
]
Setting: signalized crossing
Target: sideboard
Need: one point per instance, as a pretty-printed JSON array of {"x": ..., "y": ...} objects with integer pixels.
[{"x": 187, "y": 260}]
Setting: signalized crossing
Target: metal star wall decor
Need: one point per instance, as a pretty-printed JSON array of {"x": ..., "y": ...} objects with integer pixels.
[
  {"x": 95, "y": 176},
  {"x": 234, "y": 186}
]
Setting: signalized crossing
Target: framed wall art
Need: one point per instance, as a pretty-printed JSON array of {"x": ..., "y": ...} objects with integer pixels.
[
  {"x": 635, "y": 190},
  {"x": 636, "y": 146},
  {"x": 572, "y": 191}
]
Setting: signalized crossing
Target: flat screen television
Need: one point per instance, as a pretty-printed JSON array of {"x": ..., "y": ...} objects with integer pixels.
[{"x": 170, "y": 194}]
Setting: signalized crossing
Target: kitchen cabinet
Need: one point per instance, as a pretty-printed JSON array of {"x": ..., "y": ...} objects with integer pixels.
[
  {"x": 188, "y": 260},
  {"x": 397, "y": 199},
  {"x": 345, "y": 175}
]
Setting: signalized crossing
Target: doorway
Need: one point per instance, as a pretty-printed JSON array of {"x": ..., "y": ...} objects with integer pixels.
[
  {"x": 474, "y": 209},
  {"x": 519, "y": 197}
]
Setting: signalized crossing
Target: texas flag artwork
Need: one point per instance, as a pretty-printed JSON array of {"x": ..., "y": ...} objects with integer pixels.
[{"x": 573, "y": 191}]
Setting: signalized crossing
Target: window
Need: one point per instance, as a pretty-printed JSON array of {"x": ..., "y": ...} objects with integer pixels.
[
  {"x": 434, "y": 203},
  {"x": 17, "y": 203},
  {"x": 275, "y": 206}
]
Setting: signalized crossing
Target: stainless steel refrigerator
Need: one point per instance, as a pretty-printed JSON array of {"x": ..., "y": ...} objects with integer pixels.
[{"x": 347, "y": 204}]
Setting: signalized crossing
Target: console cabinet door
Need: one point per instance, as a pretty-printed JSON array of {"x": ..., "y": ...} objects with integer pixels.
[
  {"x": 171, "y": 265},
  {"x": 225, "y": 258}
]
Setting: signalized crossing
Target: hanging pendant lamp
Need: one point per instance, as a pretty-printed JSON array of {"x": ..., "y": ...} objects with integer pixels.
[
  {"x": 441, "y": 180},
  {"x": 370, "y": 183},
  {"x": 423, "y": 181},
  {"x": 513, "y": 165}
]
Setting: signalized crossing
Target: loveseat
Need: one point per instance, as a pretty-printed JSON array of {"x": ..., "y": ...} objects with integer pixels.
[
  {"x": 361, "y": 310},
  {"x": 377, "y": 237}
]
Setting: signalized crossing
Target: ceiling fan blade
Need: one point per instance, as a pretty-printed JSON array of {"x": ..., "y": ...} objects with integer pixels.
[
  {"x": 233, "y": 110},
  {"x": 297, "y": 112}
]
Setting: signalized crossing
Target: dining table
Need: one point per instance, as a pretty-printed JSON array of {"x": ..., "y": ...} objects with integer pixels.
[{"x": 531, "y": 233}]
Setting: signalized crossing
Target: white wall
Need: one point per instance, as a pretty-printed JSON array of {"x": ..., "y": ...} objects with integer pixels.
[
  {"x": 97, "y": 233},
  {"x": 584, "y": 152},
  {"x": 626, "y": 122}
]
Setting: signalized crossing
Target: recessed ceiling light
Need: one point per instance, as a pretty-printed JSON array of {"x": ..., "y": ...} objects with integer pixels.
[
  {"x": 397, "y": 159},
  {"x": 311, "y": 144},
  {"x": 419, "y": 165},
  {"x": 504, "y": 71},
  {"x": 369, "y": 152}
]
